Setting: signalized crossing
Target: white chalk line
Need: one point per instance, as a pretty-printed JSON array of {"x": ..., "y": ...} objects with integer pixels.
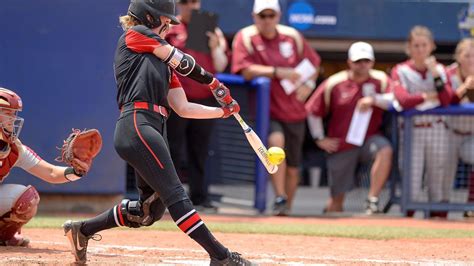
[{"x": 104, "y": 250}]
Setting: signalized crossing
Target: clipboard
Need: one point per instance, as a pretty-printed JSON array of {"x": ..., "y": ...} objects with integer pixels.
[{"x": 200, "y": 23}]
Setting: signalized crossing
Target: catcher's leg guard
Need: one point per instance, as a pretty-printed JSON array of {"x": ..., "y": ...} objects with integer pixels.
[
  {"x": 18, "y": 204},
  {"x": 136, "y": 213}
]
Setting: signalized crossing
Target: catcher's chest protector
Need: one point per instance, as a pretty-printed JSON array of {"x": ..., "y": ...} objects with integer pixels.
[{"x": 7, "y": 163}]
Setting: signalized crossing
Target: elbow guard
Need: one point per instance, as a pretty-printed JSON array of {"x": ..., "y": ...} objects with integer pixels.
[{"x": 186, "y": 66}]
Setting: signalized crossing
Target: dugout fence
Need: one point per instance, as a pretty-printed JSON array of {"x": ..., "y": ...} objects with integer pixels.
[
  {"x": 443, "y": 135},
  {"x": 231, "y": 161}
]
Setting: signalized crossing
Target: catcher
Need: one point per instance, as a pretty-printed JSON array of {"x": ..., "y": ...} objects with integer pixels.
[{"x": 18, "y": 203}]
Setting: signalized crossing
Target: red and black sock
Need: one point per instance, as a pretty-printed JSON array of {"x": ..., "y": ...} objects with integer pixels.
[{"x": 189, "y": 221}]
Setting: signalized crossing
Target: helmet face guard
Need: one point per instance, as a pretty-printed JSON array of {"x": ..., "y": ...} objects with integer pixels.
[
  {"x": 11, "y": 125},
  {"x": 10, "y": 122}
]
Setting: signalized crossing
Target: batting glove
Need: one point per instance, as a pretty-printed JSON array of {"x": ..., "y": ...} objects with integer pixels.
[
  {"x": 230, "y": 109},
  {"x": 221, "y": 93}
]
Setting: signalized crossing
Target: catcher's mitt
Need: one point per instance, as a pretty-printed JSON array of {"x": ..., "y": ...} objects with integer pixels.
[{"x": 80, "y": 148}]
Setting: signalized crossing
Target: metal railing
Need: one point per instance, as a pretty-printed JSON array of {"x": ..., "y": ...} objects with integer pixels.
[
  {"x": 262, "y": 87},
  {"x": 405, "y": 200}
]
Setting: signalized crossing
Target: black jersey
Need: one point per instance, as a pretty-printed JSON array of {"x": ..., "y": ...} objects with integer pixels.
[{"x": 139, "y": 74}]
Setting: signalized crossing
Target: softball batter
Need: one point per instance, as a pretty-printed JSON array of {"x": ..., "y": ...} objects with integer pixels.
[{"x": 147, "y": 88}]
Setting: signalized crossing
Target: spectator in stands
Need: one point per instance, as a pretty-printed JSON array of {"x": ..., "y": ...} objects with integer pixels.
[
  {"x": 269, "y": 49},
  {"x": 461, "y": 74},
  {"x": 358, "y": 89},
  {"x": 189, "y": 138},
  {"x": 422, "y": 83}
]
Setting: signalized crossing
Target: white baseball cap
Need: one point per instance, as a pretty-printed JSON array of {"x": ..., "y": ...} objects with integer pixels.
[
  {"x": 361, "y": 50},
  {"x": 260, "y": 5}
]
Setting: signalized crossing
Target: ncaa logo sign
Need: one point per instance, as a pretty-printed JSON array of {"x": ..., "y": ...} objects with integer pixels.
[
  {"x": 466, "y": 21},
  {"x": 313, "y": 14},
  {"x": 301, "y": 15}
]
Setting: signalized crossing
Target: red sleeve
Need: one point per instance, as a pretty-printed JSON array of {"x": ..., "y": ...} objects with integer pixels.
[
  {"x": 241, "y": 58},
  {"x": 315, "y": 104},
  {"x": 447, "y": 95},
  {"x": 142, "y": 40},
  {"x": 311, "y": 54},
  {"x": 405, "y": 99},
  {"x": 174, "y": 83}
]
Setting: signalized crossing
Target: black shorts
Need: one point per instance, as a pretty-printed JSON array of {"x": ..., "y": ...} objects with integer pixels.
[{"x": 294, "y": 136}]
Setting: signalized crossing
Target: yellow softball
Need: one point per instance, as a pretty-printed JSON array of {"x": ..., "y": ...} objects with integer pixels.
[{"x": 276, "y": 155}]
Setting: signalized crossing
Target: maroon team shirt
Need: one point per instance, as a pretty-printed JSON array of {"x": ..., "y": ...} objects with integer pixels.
[
  {"x": 287, "y": 49},
  {"x": 337, "y": 98},
  {"x": 194, "y": 90}
]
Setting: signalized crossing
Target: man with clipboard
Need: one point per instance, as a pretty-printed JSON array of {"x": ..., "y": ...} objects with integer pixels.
[
  {"x": 270, "y": 49},
  {"x": 198, "y": 36},
  {"x": 360, "y": 91}
]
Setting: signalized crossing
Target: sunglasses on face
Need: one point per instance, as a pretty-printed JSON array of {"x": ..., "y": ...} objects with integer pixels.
[{"x": 268, "y": 15}]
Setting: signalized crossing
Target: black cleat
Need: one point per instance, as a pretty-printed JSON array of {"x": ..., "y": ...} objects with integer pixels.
[
  {"x": 77, "y": 240},
  {"x": 372, "y": 205},
  {"x": 233, "y": 259},
  {"x": 468, "y": 214},
  {"x": 279, "y": 206}
]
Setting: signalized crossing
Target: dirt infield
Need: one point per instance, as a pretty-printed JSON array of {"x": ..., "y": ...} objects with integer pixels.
[{"x": 129, "y": 247}]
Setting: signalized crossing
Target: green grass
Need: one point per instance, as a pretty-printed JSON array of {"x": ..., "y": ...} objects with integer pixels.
[{"x": 322, "y": 230}]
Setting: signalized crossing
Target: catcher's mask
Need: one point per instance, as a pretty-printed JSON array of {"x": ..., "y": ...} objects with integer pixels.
[
  {"x": 10, "y": 122},
  {"x": 139, "y": 9}
]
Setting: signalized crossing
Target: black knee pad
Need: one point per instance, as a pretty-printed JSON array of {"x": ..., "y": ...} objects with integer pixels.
[
  {"x": 128, "y": 211},
  {"x": 141, "y": 213}
]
